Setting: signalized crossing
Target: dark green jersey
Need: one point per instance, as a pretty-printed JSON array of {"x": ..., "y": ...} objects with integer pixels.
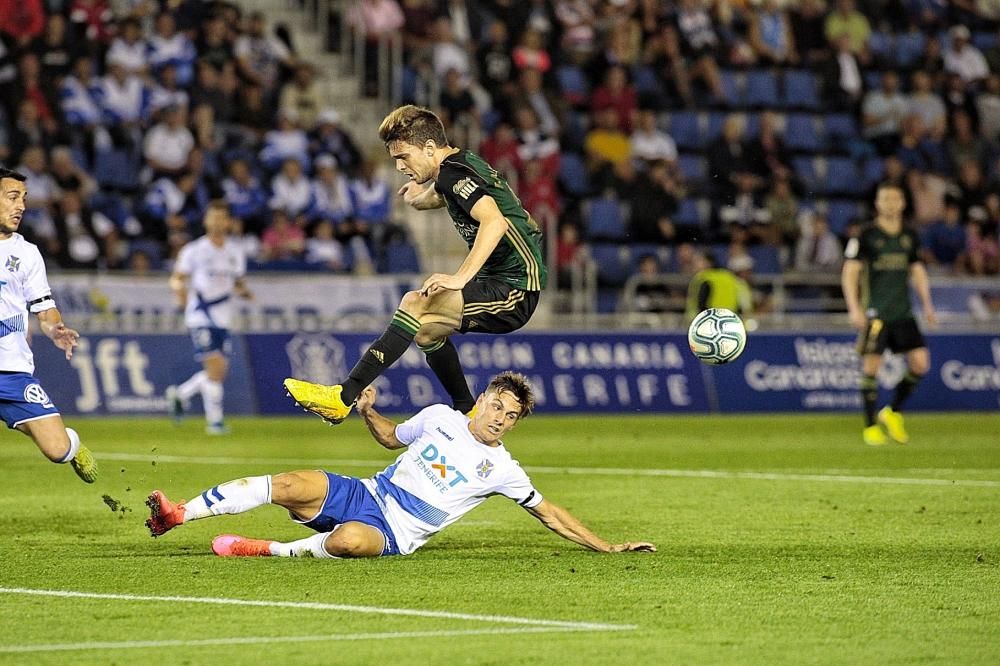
[
  {"x": 885, "y": 289},
  {"x": 463, "y": 180}
]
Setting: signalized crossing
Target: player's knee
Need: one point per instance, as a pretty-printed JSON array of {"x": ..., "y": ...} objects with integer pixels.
[
  {"x": 413, "y": 303},
  {"x": 292, "y": 488},
  {"x": 920, "y": 366},
  {"x": 351, "y": 540},
  {"x": 426, "y": 337}
]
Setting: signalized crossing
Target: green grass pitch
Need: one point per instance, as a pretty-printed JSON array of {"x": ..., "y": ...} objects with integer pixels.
[{"x": 782, "y": 539}]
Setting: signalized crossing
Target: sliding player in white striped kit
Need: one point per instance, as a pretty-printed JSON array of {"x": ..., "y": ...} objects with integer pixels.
[{"x": 24, "y": 288}]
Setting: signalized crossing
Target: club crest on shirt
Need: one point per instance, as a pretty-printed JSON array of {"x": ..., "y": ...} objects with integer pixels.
[
  {"x": 13, "y": 263},
  {"x": 464, "y": 188},
  {"x": 484, "y": 468}
]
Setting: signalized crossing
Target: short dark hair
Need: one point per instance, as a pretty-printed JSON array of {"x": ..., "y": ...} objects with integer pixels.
[
  {"x": 518, "y": 385},
  {"x": 10, "y": 173},
  {"x": 414, "y": 125}
]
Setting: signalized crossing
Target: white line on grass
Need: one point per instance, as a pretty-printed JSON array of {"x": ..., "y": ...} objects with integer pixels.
[
  {"x": 821, "y": 476},
  {"x": 243, "y": 640},
  {"x": 315, "y": 605}
]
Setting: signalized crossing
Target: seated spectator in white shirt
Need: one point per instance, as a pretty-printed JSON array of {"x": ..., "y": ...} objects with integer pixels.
[
  {"x": 323, "y": 249},
  {"x": 331, "y": 190},
  {"x": 288, "y": 141},
  {"x": 168, "y": 144},
  {"x": 129, "y": 49},
  {"x": 963, "y": 58},
  {"x": 649, "y": 143},
  {"x": 167, "y": 93},
  {"x": 169, "y": 47},
  {"x": 817, "y": 248},
  {"x": 292, "y": 191}
]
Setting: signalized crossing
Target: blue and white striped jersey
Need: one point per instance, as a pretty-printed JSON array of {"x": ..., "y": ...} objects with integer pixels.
[{"x": 24, "y": 287}]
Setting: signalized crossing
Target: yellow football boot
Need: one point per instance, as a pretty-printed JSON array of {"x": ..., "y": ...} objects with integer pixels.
[
  {"x": 874, "y": 436},
  {"x": 84, "y": 465},
  {"x": 892, "y": 421},
  {"x": 323, "y": 401}
]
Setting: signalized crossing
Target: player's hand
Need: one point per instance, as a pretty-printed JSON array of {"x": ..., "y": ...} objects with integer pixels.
[
  {"x": 931, "y": 316},
  {"x": 858, "y": 320},
  {"x": 366, "y": 400},
  {"x": 439, "y": 282},
  {"x": 633, "y": 547},
  {"x": 411, "y": 192},
  {"x": 64, "y": 338}
]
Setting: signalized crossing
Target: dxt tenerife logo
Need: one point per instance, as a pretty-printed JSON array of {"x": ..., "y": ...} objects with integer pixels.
[
  {"x": 36, "y": 394},
  {"x": 436, "y": 468},
  {"x": 316, "y": 357}
]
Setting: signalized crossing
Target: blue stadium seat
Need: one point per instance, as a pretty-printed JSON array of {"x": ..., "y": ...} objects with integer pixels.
[
  {"x": 762, "y": 89},
  {"x": 152, "y": 249},
  {"x": 399, "y": 257},
  {"x": 880, "y": 45},
  {"x": 840, "y": 212},
  {"x": 693, "y": 167},
  {"x": 641, "y": 250},
  {"x": 984, "y": 41},
  {"x": 713, "y": 126},
  {"x": 765, "y": 259},
  {"x": 613, "y": 263},
  {"x": 872, "y": 172},
  {"x": 732, "y": 87},
  {"x": 607, "y": 300},
  {"x": 573, "y": 175},
  {"x": 573, "y": 84},
  {"x": 873, "y": 79},
  {"x": 801, "y": 133},
  {"x": 688, "y": 213},
  {"x": 118, "y": 169},
  {"x": 805, "y": 171},
  {"x": 842, "y": 176},
  {"x": 645, "y": 80},
  {"x": 684, "y": 128},
  {"x": 800, "y": 90},
  {"x": 909, "y": 47},
  {"x": 841, "y": 127},
  {"x": 604, "y": 219}
]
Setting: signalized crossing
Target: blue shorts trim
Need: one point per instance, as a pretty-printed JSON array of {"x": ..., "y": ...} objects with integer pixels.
[
  {"x": 23, "y": 399},
  {"x": 348, "y": 499},
  {"x": 208, "y": 340}
]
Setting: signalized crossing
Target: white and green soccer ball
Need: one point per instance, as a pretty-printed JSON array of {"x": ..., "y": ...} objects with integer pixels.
[{"x": 717, "y": 336}]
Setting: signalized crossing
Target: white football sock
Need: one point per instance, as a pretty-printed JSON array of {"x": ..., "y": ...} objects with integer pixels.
[
  {"x": 211, "y": 396},
  {"x": 308, "y": 547},
  {"x": 191, "y": 386},
  {"x": 74, "y": 446},
  {"x": 230, "y": 497}
]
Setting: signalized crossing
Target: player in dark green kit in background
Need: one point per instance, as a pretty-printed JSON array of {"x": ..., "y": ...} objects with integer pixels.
[
  {"x": 879, "y": 267},
  {"x": 495, "y": 290}
]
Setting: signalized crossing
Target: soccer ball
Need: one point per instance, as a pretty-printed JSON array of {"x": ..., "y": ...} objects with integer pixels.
[{"x": 717, "y": 336}]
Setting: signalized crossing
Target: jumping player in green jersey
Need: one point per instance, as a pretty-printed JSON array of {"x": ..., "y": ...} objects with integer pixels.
[
  {"x": 878, "y": 271},
  {"x": 495, "y": 290}
]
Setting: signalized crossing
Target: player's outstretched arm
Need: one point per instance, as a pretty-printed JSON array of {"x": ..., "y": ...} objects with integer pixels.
[
  {"x": 566, "y": 525},
  {"x": 62, "y": 337},
  {"x": 381, "y": 428},
  {"x": 425, "y": 198}
]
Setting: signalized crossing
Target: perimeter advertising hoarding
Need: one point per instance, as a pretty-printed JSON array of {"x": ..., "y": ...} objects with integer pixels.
[{"x": 573, "y": 372}]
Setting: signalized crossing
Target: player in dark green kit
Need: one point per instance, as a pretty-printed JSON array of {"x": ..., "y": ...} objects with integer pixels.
[
  {"x": 495, "y": 290},
  {"x": 879, "y": 267}
]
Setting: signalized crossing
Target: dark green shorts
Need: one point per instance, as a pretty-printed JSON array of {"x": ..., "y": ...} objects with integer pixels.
[
  {"x": 896, "y": 336},
  {"x": 493, "y": 306}
]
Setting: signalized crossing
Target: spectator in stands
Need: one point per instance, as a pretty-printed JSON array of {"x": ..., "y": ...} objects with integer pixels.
[
  {"x": 843, "y": 85},
  {"x": 845, "y": 19},
  {"x": 246, "y": 198},
  {"x": 287, "y": 142},
  {"x": 331, "y": 190},
  {"x": 322, "y": 249},
  {"x": 982, "y": 252},
  {"x": 447, "y": 54},
  {"x": 31, "y": 86},
  {"x": 68, "y": 175},
  {"x": 783, "y": 210},
  {"x": 292, "y": 193},
  {"x": 817, "y": 249},
  {"x": 303, "y": 96},
  {"x": 727, "y": 158},
  {"x": 972, "y": 189},
  {"x": 606, "y": 145},
  {"x": 928, "y": 106},
  {"x": 699, "y": 44},
  {"x": 208, "y": 90},
  {"x": 571, "y": 254},
  {"x": 213, "y": 45},
  {"x": 165, "y": 92},
  {"x": 957, "y": 96},
  {"x": 649, "y": 143},
  {"x": 500, "y": 150},
  {"x": 771, "y": 35},
  {"x": 495, "y": 64},
  {"x": 653, "y": 197},
  {"x": 260, "y": 56},
  {"x": 533, "y": 142},
  {"x": 745, "y": 209},
  {"x": 29, "y": 130},
  {"x": 651, "y": 294},
  {"x": 371, "y": 200},
  {"x": 662, "y": 52},
  {"x": 965, "y": 144},
  {"x": 927, "y": 191},
  {"x": 915, "y": 152},
  {"x": 124, "y": 101},
  {"x": 44, "y": 193},
  {"x": 548, "y": 108},
  {"x": 56, "y": 49},
  {"x": 530, "y": 53},
  {"x": 766, "y": 153},
  {"x": 418, "y": 27},
  {"x": 457, "y": 107},
  {"x": 807, "y": 19},
  {"x": 282, "y": 240},
  {"x": 129, "y": 48},
  {"x": 24, "y": 20},
  {"x": 882, "y": 112},
  {"x": 330, "y": 137},
  {"x": 988, "y": 109},
  {"x": 167, "y": 46},
  {"x": 944, "y": 240},
  {"x": 618, "y": 94},
  {"x": 539, "y": 193},
  {"x": 964, "y": 59},
  {"x": 85, "y": 238},
  {"x": 94, "y": 23},
  {"x": 249, "y": 242},
  {"x": 168, "y": 144},
  {"x": 927, "y": 15},
  {"x": 577, "y": 21}
]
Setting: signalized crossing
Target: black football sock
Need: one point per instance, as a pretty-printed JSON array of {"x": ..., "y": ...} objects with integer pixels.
[
  {"x": 442, "y": 357},
  {"x": 904, "y": 388},
  {"x": 869, "y": 395},
  {"x": 380, "y": 355}
]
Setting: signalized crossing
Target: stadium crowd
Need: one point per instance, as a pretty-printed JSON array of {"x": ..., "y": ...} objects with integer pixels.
[{"x": 644, "y": 131}]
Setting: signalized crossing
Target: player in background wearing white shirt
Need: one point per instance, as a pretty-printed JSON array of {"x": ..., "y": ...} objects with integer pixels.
[
  {"x": 209, "y": 270},
  {"x": 451, "y": 465},
  {"x": 24, "y": 288}
]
